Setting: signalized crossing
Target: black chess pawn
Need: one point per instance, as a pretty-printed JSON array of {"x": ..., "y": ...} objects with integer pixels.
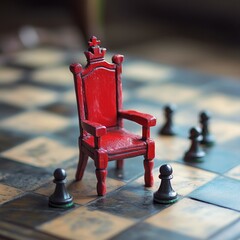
[
  {"x": 207, "y": 137},
  {"x": 60, "y": 198},
  {"x": 195, "y": 153},
  {"x": 165, "y": 194},
  {"x": 168, "y": 128}
]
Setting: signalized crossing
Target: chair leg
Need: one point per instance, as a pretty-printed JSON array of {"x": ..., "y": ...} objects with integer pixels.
[
  {"x": 148, "y": 176},
  {"x": 83, "y": 158},
  {"x": 119, "y": 164},
  {"x": 101, "y": 175},
  {"x": 101, "y": 163}
]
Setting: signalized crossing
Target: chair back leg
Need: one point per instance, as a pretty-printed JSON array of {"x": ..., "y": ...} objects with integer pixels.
[
  {"x": 101, "y": 175},
  {"x": 119, "y": 164},
  {"x": 82, "y": 163}
]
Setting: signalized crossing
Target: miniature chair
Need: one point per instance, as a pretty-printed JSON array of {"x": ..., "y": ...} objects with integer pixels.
[{"x": 102, "y": 137}]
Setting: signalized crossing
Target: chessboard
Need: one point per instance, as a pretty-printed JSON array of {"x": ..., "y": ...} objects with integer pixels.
[{"x": 39, "y": 133}]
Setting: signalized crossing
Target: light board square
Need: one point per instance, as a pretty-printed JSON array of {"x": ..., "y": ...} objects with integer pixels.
[
  {"x": 74, "y": 224},
  {"x": 27, "y": 96},
  {"x": 143, "y": 71},
  {"x": 39, "y": 57},
  {"x": 59, "y": 76},
  {"x": 41, "y": 152},
  {"x": 169, "y": 93},
  {"x": 193, "y": 218},
  {"x": 234, "y": 173},
  {"x": 35, "y": 122},
  {"x": 220, "y": 104},
  {"x": 7, "y": 193},
  {"x": 10, "y": 75}
]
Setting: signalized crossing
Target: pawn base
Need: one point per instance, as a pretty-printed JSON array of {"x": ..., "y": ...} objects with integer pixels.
[
  {"x": 208, "y": 141},
  {"x": 157, "y": 199},
  {"x": 167, "y": 132},
  {"x": 56, "y": 203},
  {"x": 207, "y": 144},
  {"x": 194, "y": 157},
  {"x": 66, "y": 205}
]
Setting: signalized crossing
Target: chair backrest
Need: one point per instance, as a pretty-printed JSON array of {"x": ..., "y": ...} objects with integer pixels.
[{"x": 98, "y": 86}]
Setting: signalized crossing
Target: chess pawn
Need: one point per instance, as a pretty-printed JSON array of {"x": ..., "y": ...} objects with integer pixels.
[
  {"x": 195, "y": 153},
  {"x": 168, "y": 129},
  {"x": 60, "y": 198},
  {"x": 165, "y": 193},
  {"x": 207, "y": 137}
]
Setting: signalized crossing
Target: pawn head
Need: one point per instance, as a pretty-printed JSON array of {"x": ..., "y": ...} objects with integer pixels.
[
  {"x": 59, "y": 174},
  {"x": 165, "y": 170},
  {"x": 194, "y": 132},
  {"x": 170, "y": 108},
  {"x": 204, "y": 116}
]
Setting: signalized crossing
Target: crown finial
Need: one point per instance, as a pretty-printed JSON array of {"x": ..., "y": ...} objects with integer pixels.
[
  {"x": 95, "y": 52},
  {"x": 93, "y": 42}
]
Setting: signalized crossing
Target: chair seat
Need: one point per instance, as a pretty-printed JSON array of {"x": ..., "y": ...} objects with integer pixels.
[{"x": 118, "y": 141}]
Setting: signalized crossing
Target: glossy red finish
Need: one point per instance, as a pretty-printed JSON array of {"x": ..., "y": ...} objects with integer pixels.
[
  {"x": 117, "y": 141},
  {"x": 143, "y": 119},
  {"x": 102, "y": 137},
  {"x": 101, "y": 105}
]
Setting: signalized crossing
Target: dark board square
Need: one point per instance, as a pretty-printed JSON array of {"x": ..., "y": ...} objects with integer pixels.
[
  {"x": 131, "y": 202},
  {"x": 20, "y": 232},
  {"x": 9, "y": 139},
  {"x": 67, "y": 110},
  {"x": 231, "y": 233},
  {"x": 221, "y": 191},
  {"x": 21, "y": 175},
  {"x": 8, "y": 110},
  {"x": 132, "y": 168},
  {"x": 232, "y": 145},
  {"x": 217, "y": 160},
  {"x": 131, "y": 126},
  {"x": 48, "y": 86},
  {"x": 226, "y": 86},
  {"x": 29, "y": 210},
  {"x": 192, "y": 78},
  {"x": 69, "y": 135},
  {"x": 131, "y": 84}
]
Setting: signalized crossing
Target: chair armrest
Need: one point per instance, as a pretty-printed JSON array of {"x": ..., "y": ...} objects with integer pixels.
[
  {"x": 143, "y": 119},
  {"x": 95, "y": 129}
]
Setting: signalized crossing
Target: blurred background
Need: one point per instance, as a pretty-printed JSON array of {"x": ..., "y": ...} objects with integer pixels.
[{"x": 198, "y": 35}]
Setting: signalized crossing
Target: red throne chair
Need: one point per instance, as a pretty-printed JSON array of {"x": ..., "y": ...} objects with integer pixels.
[{"x": 102, "y": 137}]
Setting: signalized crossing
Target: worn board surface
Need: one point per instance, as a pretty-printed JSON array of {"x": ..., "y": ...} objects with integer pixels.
[{"x": 39, "y": 132}]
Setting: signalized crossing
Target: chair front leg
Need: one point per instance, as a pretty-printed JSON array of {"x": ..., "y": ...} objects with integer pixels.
[
  {"x": 148, "y": 176},
  {"x": 149, "y": 163},
  {"x": 101, "y": 163}
]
